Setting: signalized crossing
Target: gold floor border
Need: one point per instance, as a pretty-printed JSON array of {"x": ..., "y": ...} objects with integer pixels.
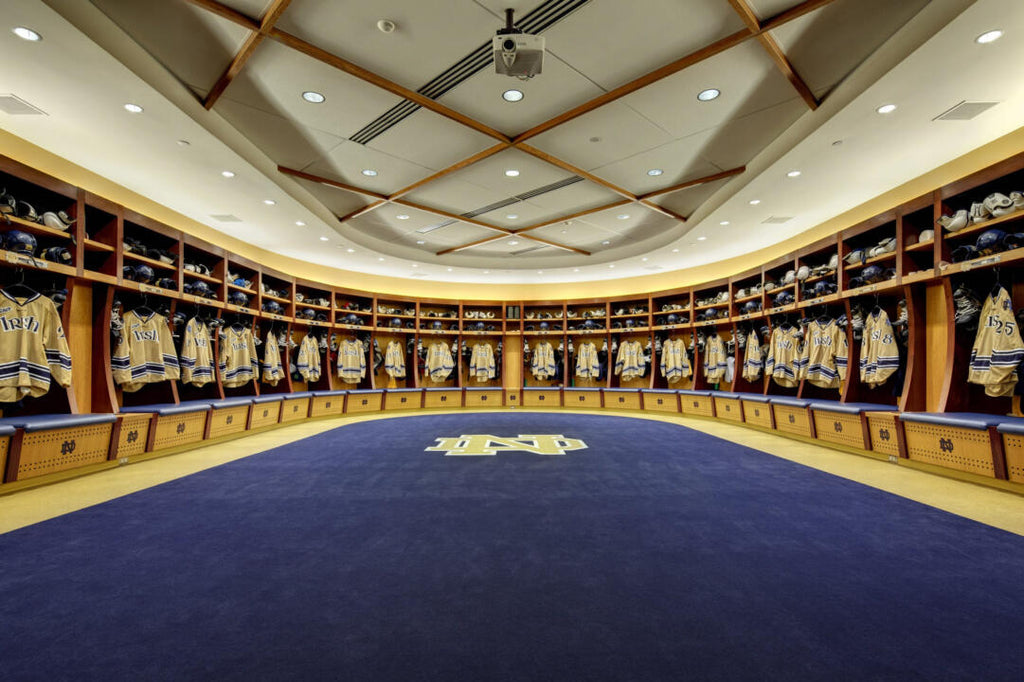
[{"x": 934, "y": 486}]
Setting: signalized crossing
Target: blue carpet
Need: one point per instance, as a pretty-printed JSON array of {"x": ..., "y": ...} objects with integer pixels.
[{"x": 657, "y": 553}]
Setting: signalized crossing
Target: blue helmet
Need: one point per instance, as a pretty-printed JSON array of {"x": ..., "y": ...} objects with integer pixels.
[
  {"x": 544, "y": 326},
  {"x": 201, "y": 288},
  {"x": 672, "y": 318},
  {"x": 20, "y": 242},
  {"x": 872, "y": 274},
  {"x": 144, "y": 273},
  {"x": 965, "y": 252},
  {"x": 167, "y": 283},
  {"x": 990, "y": 241},
  {"x": 751, "y": 307},
  {"x": 396, "y": 323},
  {"x": 238, "y": 298},
  {"x": 57, "y": 254},
  {"x": 308, "y": 313},
  {"x": 272, "y": 307},
  {"x": 823, "y": 288},
  {"x": 480, "y": 326},
  {"x": 351, "y": 318}
]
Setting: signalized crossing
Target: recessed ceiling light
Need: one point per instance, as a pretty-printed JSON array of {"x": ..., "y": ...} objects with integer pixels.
[
  {"x": 415, "y": 265},
  {"x": 183, "y": 143},
  {"x": 512, "y": 216},
  {"x": 133, "y": 108},
  {"x": 540, "y": 272},
  {"x": 30, "y": 35},
  {"x": 421, "y": 241},
  {"x": 724, "y": 222},
  {"x": 350, "y": 250},
  {"x": 402, "y": 216},
  {"x": 269, "y": 202},
  {"x": 886, "y": 109},
  {"x": 623, "y": 216},
  {"x": 709, "y": 94},
  {"x": 611, "y": 265},
  {"x": 700, "y": 239},
  {"x": 323, "y": 239},
  {"x": 512, "y": 95},
  {"x": 299, "y": 223},
  {"x": 793, "y": 174},
  {"x": 675, "y": 250},
  {"x": 512, "y": 173},
  {"x": 655, "y": 171},
  {"x": 369, "y": 172},
  {"x": 986, "y": 37},
  {"x": 564, "y": 231},
  {"x": 606, "y": 242},
  {"x": 755, "y": 202},
  {"x": 313, "y": 97},
  {"x": 487, "y": 272},
  {"x": 512, "y": 242},
  {"x": 575, "y": 269},
  {"x": 644, "y": 259},
  {"x": 380, "y": 260},
  {"x": 227, "y": 174}
]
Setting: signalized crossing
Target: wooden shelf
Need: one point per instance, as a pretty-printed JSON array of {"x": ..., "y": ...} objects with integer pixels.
[
  {"x": 205, "y": 278},
  {"x": 871, "y": 288},
  {"x": 818, "y": 278},
  {"x": 93, "y": 245},
  {"x": 279, "y": 299},
  {"x": 26, "y": 261},
  {"x": 871, "y": 261},
  {"x": 920, "y": 246},
  {"x": 981, "y": 227},
  {"x": 251, "y": 292},
  {"x": 304, "y": 304},
  {"x": 752, "y": 297},
  {"x": 711, "y": 305},
  {"x": 1014, "y": 256},
  {"x": 152, "y": 262},
  {"x": 37, "y": 228}
]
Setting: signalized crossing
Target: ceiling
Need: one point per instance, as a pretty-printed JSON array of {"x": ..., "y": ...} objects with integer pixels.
[{"x": 221, "y": 84}]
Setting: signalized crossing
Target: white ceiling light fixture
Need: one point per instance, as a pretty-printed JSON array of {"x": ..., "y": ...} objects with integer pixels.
[
  {"x": 402, "y": 216},
  {"x": 184, "y": 143},
  {"x": 512, "y": 95},
  {"x": 984, "y": 39},
  {"x": 575, "y": 269},
  {"x": 605, "y": 242},
  {"x": 512, "y": 242},
  {"x": 299, "y": 223},
  {"x": 487, "y": 272},
  {"x": 623, "y": 216},
  {"x": 654, "y": 172},
  {"x": 133, "y": 108},
  {"x": 611, "y": 265},
  {"x": 755, "y": 202},
  {"x": 313, "y": 97},
  {"x": 886, "y": 109},
  {"x": 269, "y": 202},
  {"x": 380, "y": 260},
  {"x": 227, "y": 174},
  {"x": 675, "y": 250},
  {"x": 709, "y": 94},
  {"x": 793, "y": 174},
  {"x": 512, "y": 216},
  {"x": 415, "y": 265},
  {"x": 540, "y": 272},
  {"x": 369, "y": 172},
  {"x": 350, "y": 250},
  {"x": 31, "y": 36},
  {"x": 700, "y": 239},
  {"x": 386, "y": 26},
  {"x": 323, "y": 239},
  {"x": 724, "y": 222},
  {"x": 450, "y": 269},
  {"x": 512, "y": 173},
  {"x": 421, "y": 241},
  {"x": 644, "y": 259}
]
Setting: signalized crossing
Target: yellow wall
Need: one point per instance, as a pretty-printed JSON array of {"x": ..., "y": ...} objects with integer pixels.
[{"x": 59, "y": 167}]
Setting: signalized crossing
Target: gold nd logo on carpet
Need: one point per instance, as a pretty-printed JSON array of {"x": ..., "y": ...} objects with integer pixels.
[{"x": 482, "y": 444}]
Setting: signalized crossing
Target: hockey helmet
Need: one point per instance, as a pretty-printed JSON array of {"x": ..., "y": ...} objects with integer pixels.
[
  {"x": 480, "y": 326},
  {"x": 57, "y": 254},
  {"x": 855, "y": 257},
  {"x": 7, "y": 202},
  {"x": 803, "y": 273},
  {"x": 783, "y": 298},
  {"x": 544, "y": 326},
  {"x": 630, "y": 323},
  {"x": 751, "y": 307},
  {"x": 990, "y": 241},
  {"x": 128, "y": 273},
  {"x": 201, "y": 288},
  {"x": 789, "y": 277},
  {"x": 352, "y": 318},
  {"x": 590, "y": 324},
  {"x": 823, "y": 288},
  {"x": 58, "y": 221},
  {"x": 238, "y": 298},
  {"x": 887, "y": 245},
  {"x": 833, "y": 262},
  {"x": 926, "y": 236},
  {"x": 872, "y": 274},
  {"x": 965, "y": 252},
  {"x": 769, "y": 285},
  {"x": 672, "y": 318},
  {"x": 144, "y": 273},
  {"x": 308, "y": 313},
  {"x": 27, "y": 212},
  {"x": 1014, "y": 241},
  {"x": 396, "y": 323},
  {"x": 321, "y": 317},
  {"x": 20, "y": 242},
  {"x": 272, "y": 307},
  {"x": 167, "y": 283}
]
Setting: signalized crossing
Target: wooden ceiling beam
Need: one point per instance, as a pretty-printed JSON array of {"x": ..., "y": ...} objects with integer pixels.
[
  {"x": 234, "y": 68},
  {"x": 746, "y": 14},
  {"x": 662, "y": 210},
  {"x": 453, "y": 216},
  {"x": 556, "y": 244},
  {"x": 226, "y": 12},
  {"x": 479, "y": 156},
  {"x": 693, "y": 183},
  {"x": 573, "y": 216},
  {"x": 792, "y": 13},
  {"x": 361, "y": 211},
  {"x": 310, "y": 50},
  {"x": 555, "y": 161},
  {"x": 463, "y": 247},
  {"x": 331, "y": 183},
  {"x": 786, "y": 67}
]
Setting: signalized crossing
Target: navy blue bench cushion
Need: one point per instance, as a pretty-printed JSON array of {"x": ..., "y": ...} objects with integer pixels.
[
  {"x": 966, "y": 420},
  {"x": 365, "y": 390},
  {"x": 621, "y": 390},
  {"x": 297, "y": 396},
  {"x": 230, "y": 402},
  {"x": 684, "y": 391},
  {"x": 727, "y": 394},
  {"x": 659, "y": 390},
  {"x": 48, "y": 422},
  {"x": 483, "y": 388},
  {"x": 1012, "y": 425},
  {"x": 432, "y": 390},
  {"x": 170, "y": 408},
  {"x": 274, "y": 398},
  {"x": 789, "y": 402},
  {"x": 324, "y": 394},
  {"x": 541, "y": 388},
  {"x": 583, "y": 388},
  {"x": 850, "y": 408},
  {"x": 755, "y": 398}
]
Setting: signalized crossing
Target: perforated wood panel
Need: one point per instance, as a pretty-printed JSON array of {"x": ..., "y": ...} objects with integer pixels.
[
  {"x": 179, "y": 429},
  {"x": 758, "y": 414},
  {"x": 228, "y": 420},
  {"x": 728, "y": 409},
  {"x": 402, "y": 401},
  {"x": 442, "y": 399},
  {"x": 947, "y": 446},
  {"x": 884, "y": 436},
  {"x": 5, "y": 446},
  {"x": 573, "y": 398},
  {"x": 293, "y": 410},
  {"x": 660, "y": 402},
  {"x": 698, "y": 405},
  {"x": 622, "y": 401},
  {"x": 324, "y": 405},
  {"x": 552, "y": 398},
  {"x": 837, "y": 427},
  {"x": 792, "y": 420},
  {"x": 363, "y": 402},
  {"x": 1014, "y": 447},
  {"x": 483, "y": 398},
  {"x": 265, "y": 414},
  {"x": 45, "y": 452},
  {"x": 134, "y": 435},
  {"x": 513, "y": 397}
]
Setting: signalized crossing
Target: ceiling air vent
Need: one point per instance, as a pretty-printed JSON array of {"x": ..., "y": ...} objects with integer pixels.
[
  {"x": 226, "y": 217},
  {"x": 965, "y": 111},
  {"x": 653, "y": 267},
  {"x": 777, "y": 220},
  {"x": 16, "y": 106}
]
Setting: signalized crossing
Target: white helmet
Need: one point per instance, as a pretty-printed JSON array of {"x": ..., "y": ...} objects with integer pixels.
[
  {"x": 789, "y": 277},
  {"x": 833, "y": 262},
  {"x": 926, "y": 236},
  {"x": 803, "y": 273}
]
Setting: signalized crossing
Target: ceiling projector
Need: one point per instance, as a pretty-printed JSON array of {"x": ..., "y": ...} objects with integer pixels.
[{"x": 516, "y": 53}]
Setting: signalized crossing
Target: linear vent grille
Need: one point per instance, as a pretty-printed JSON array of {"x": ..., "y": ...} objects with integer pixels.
[
  {"x": 535, "y": 22},
  {"x": 776, "y": 220},
  {"x": 504, "y": 202},
  {"x": 965, "y": 111},
  {"x": 16, "y": 106}
]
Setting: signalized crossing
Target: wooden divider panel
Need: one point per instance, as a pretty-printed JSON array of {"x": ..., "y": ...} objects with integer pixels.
[
  {"x": 326, "y": 405},
  {"x": 948, "y": 446},
  {"x": 228, "y": 420},
  {"x": 792, "y": 420},
  {"x": 840, "y": 427},
  {"x": 179, "y": 429},
  {"x": 264, "y": 414},
  {"x": 697, "y": 405},
  {"x": 484, "y": 398},
  {"x": 134, "y": 434},
  {"x": 758, "y": 414},
  {"x": 581, "y": 398},
  {"x": 547, "y": 398},
  {"x": 660, "y": 402},
  {"x": 1013, "y": 444},
  {"x": 363, "y": 402},
  {"x": 294, "y": 409},
  {"x": 728, "y": 409},
  {"x": 884, "y": 432},
  {"x": 46, "y": 452},
  {"x": 439, "y": 399}
]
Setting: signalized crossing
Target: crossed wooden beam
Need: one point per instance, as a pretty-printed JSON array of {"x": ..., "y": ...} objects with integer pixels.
[{"x": 754, "y": 29}]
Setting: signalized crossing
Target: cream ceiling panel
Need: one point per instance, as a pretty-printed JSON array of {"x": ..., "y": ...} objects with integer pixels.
[
  {"x": 621, "y": 132},
  {"x": 164, "y": 28},
  {"x": 737, "y": 142},
  {"x": 253, "y": 9},
  {"x": 826, "y": 45},
  {"x": 685, "y": 201},
  {"x": 557, "y": 89},
  {"x": 766, "y": 9},
  {"x": 526, "y": 214},
  {"x": 575, "y": 197},
  {"x": 431, "y": 140},
  {"x": 679, "y": 161},
  {"x": 278, "y": 137},
  {"x": 347, "y": 161},
  {"x": 276, "y": 76},
  {"x": 338, "y": 201},
  {"x": 747, "y": 78},
  {"x": 455, "y": 234},
  {"x": 429, "y": 36},
  {"x": 533, "y": 173},
  {"x": 454, "y": 195},
  {"x": 637, "y": 217},
  {"x": 580, "y": 234},
  {"x": 613, "y": 43},
  {"x": 388, "y": 215}
]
